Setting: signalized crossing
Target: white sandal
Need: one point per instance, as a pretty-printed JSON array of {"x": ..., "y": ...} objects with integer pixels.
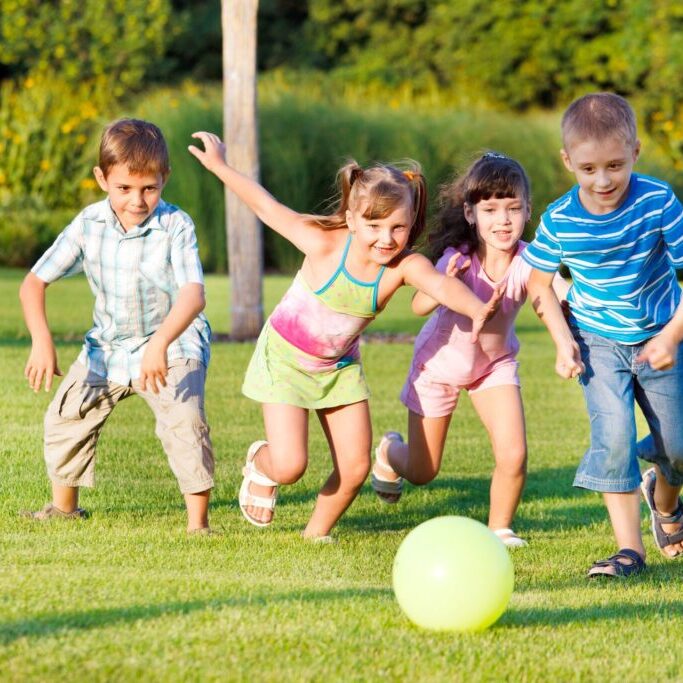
[
  {"x": 510, "y": 538},
  {"x": 252, "y": 475},
  {"x": 381, "y": 486}
]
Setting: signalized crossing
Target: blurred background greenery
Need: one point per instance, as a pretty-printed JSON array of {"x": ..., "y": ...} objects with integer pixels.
[{"x": 370, "y": 79}]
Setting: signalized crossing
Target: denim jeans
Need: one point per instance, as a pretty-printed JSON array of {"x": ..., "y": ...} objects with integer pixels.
[{"x": 612, "y": 385}]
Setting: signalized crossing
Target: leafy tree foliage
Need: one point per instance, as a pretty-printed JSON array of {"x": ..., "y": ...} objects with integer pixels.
[
  {"x": 520, "y": 55},
  {"x": 80, "y": 40}
]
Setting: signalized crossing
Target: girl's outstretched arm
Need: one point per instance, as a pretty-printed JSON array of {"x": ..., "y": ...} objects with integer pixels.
[
  {"x": 422, "y": 303},
  {"x": 291, "y": 225},
  {"x": 419, "y": 272}
]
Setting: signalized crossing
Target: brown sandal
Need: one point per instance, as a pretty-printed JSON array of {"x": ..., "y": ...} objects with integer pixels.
[{"x": 52, "y": 512}]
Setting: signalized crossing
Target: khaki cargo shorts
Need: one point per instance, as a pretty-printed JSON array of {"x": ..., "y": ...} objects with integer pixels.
[{"x": 84, "y": 401}]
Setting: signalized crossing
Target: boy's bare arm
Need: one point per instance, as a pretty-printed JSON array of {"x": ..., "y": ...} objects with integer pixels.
[
  {"x": 188, "y": 305},
  {"x": 544, "y": 301},
  {"x": 42, "y": 361}
]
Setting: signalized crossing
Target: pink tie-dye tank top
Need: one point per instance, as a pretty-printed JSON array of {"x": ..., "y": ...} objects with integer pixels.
[{"x": 326, "y": 323}]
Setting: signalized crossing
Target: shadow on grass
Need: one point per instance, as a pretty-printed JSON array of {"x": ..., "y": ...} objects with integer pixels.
[
  {"x": 49, "y": 625},
  {"x": 617, "y": 611},
  {"x": 469, "y": 496}
]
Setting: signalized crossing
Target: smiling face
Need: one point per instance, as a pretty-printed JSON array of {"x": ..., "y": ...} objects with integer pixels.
[
  {"x": 603, "y": 171},
  {"x": 382, "y": 238},
  {"x": 499, "y": 222},
  {"x": 133, "y": 197}
]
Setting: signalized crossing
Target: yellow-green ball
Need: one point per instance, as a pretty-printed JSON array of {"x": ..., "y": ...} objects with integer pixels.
[{"x": 453, "y": 574}]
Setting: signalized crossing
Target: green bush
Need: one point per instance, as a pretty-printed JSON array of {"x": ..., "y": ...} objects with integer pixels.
[
  {"x": 65, "y": 66},
  {"x": 303, "y": 143},
  {"x": 304, "y": 139},
  {"x": 85, "y": 40},
  {"x": 179, "y": 112},
  {"x": 47, "y": 140},
  {"x": 27, "y": 230}
]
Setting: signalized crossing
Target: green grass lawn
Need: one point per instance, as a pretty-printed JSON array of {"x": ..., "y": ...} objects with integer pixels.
[{"x": 125, "y": 595}]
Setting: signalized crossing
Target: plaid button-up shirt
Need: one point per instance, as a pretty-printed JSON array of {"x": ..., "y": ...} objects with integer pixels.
[{"x": 135, "y": 277}]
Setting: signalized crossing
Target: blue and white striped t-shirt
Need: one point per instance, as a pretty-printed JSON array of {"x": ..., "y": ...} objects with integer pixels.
[
  {"x": 623, "y": 264},
  {"x": 135, "y": 277}
]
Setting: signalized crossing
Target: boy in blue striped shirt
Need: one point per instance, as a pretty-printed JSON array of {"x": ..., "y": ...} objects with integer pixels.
[
  {"x": 149, "y": 336},
  {"x": 620, "y": 234}
]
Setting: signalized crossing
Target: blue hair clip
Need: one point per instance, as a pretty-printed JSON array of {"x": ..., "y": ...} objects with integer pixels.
[{"x": 494, "y": 155}]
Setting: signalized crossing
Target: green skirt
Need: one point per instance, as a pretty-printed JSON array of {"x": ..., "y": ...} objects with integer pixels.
[{"x": 277, "y": 373}]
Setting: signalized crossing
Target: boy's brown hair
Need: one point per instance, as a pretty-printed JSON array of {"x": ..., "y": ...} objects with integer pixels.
[
  {"x": 138, "y": 145},
  {"x": 598, "y": 116}
]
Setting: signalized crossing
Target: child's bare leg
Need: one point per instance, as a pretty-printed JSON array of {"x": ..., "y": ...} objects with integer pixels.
[
  {"x": 197, "y": 510},
  {"x": 666, "y": 502},
  {"x": 502, "y": 414},
  {"x": 624, "y": 513},
  {"x": 349, "y": 434},
  {"x": 285, "y": 457},
  {"x": 419, "y": 460},
  {"x": 64, "y": 498}
]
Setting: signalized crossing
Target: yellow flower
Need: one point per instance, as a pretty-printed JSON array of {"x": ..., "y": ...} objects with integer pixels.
[
  {"x": 668, "y": 125},
  {"x": 67, "y": 127},
  {"x": 88, "y": 110},
  {"x": 81, "y": 139},
  {"x": 29, "y": 83},
  {"x": 45, "y": 164},
  {"x": 3, "y": 178},
  {"x": 88, "y": 184}
]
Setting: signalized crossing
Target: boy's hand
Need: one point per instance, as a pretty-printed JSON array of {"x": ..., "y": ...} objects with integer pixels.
[
  {"x": 213, "y": 154},
  {"x": 452, "y": 269},
  {"x": 568, "y": 361},
  {"x": 486, "y": 312},
  {"x": 42, "y": 364},
  {"x": 659, "y": 352},
  {"x": 154, "y": 366}
]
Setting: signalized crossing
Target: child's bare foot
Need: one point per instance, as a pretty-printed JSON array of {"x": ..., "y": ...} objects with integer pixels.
[
  {"x": 258, "y": 493},
  {"x": 385, "y": 482}
]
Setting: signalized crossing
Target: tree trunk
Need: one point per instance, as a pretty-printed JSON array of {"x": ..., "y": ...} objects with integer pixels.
[{"x": 244, "y": 231}]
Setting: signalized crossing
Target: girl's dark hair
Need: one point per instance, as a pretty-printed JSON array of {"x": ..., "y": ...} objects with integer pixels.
[
  {"x": 381, "y": 189},
  {"x": 492, "y": 175}
]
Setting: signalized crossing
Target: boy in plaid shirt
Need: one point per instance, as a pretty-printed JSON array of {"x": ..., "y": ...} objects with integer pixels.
[{"x": 149, "y": 336}]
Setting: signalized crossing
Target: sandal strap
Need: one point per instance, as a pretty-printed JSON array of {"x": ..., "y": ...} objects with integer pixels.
[
  {"x": 620, "y": 568},
  {"x": 386, "y": 439},
  {"x": 256, "y": 477},
  {"x": 629, "y": 554},
  {"x": 390, "y": 486},
  {"x": 251, "y": 500},
  {"x": 674, "y": 517}
]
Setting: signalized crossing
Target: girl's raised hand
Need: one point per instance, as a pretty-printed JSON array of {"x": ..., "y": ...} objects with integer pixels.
[
  {"x": 452, "y": 269},
  {"x": 212, "y": 156}
]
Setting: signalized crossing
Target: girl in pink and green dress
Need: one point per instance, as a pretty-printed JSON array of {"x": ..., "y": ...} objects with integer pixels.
[{"x": 307, "y": 356}]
